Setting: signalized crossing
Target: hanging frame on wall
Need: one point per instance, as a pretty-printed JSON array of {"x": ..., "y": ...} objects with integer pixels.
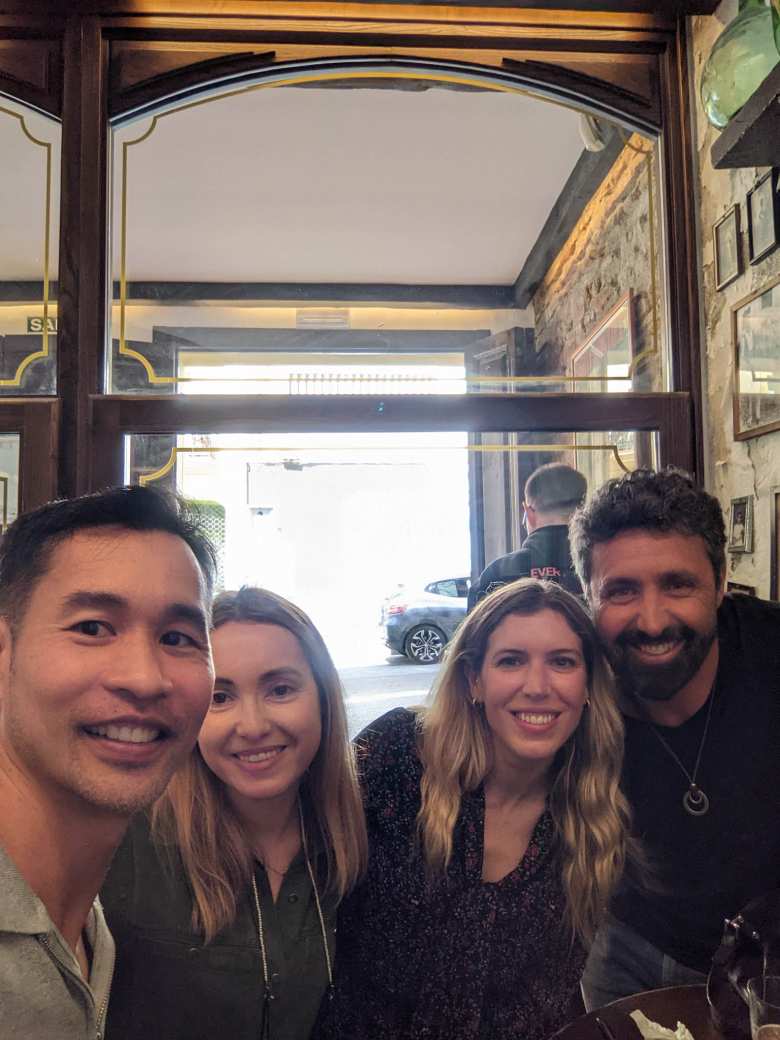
[
  {"x": 741, "y": 525},
  {"x": 726, "y": 242},
  {"x": 763, "y": 216},
  {"x": 756, "y": 342}
]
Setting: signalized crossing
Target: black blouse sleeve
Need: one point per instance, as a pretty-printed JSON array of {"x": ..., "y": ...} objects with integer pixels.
[{"x": 388, "y": 765}]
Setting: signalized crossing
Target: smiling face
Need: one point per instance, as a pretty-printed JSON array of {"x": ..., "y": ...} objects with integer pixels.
[
  {"x": 106, "y": 678},
  {"x": 655, "y": 602},
  {"x": 532, "y": 685},
  {"x": 264, "y": 725}
]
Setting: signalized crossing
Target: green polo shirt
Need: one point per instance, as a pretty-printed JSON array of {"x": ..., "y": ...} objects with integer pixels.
[{"x": 42, "y": 991}]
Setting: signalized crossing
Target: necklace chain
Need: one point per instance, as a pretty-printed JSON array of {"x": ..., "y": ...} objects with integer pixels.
[
  {"x": 695, "y": 801},
  {"x": 267, "y": 993}
]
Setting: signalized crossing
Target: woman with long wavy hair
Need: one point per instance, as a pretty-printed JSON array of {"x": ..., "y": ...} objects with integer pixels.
[
  {"x": 497, "y": 831},
  {"x": 223, "y": 904}
]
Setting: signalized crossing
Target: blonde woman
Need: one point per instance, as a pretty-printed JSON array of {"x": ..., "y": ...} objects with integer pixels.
[
  {"x": 497, "y": 831},
  {"x": 223, "y": 909}
]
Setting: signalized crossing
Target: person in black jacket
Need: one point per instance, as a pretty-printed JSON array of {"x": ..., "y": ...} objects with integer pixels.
[{"x": 552, "y": 493}]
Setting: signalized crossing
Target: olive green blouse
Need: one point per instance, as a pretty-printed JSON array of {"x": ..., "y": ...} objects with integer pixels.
[{"x": 167, "y": 983}]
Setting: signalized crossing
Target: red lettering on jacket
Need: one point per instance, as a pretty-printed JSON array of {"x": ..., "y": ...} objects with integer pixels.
[{"x": 545, "y": 572}]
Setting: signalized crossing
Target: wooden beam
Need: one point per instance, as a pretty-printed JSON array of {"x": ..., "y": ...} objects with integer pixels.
[
  {"x": 590, "y": 170},
  {"x": 81, "y": 299},
  {"x": 294, "y": 293},
  {"x": 239, "y": 8}
]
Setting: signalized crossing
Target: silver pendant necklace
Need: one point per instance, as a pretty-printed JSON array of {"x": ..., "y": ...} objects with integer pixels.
[
  {"x": 268, "y": 995},
  {"x": 695, "y": 801}
]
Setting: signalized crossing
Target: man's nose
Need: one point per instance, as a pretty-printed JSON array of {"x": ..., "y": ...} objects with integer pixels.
[
  {"x": 652, "y": 617},
  {"x": 138, "y": 668}
]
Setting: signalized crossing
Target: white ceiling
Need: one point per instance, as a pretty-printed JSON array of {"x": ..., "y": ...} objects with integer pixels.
[
  {"x": 317, "y": 185},
  {"x": 351, "y": 185}
]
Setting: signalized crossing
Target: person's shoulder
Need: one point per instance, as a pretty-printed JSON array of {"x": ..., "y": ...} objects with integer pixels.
[
  {"x": 141, "y": 865},
  {"x": 748, "y": 616},
  {"x": 397, "y": 728},
  {"x": 506, "y": 568},
  {"x": 387, "y": 748}
]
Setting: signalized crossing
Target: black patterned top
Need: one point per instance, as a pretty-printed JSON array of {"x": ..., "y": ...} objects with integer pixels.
[{"x": 463, "y": 959}]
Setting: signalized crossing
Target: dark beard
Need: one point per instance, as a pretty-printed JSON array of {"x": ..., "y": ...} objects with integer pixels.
[{"x": 659, "y": 682}]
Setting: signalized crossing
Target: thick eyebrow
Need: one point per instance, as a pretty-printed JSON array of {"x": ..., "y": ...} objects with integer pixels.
[
  {"x": 109, "y": 601},
  {"x": 81, "y": 600}
]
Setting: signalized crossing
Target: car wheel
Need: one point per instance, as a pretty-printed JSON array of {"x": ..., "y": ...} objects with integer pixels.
[{"x": 425, "y": 644}]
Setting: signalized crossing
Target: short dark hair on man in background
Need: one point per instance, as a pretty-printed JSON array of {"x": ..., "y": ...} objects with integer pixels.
[
  {"x": 667, "y": 502},
  {"x": 555, "y": 488},
  {"x": 26, "y": 547}
]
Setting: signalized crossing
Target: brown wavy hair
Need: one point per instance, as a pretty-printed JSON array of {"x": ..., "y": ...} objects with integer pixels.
[
  {"x": 196, "y": 815},
  {"x": 590, "y": 813}
]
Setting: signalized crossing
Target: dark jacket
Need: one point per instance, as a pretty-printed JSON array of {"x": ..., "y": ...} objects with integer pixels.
[
  {"x": 168, "y": 984},
  {"x": 544, "y": 554}
]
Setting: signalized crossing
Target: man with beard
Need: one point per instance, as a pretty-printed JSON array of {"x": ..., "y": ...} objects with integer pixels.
[{"x": 698, "y": 674}]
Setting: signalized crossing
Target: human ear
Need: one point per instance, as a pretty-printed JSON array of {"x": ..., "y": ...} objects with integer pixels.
[
  {"x": 472, "y": 678},
  {"x": 6, "y": 648}
]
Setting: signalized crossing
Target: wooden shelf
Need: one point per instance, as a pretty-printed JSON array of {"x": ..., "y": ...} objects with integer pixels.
[{"x": 752, "y": 138}]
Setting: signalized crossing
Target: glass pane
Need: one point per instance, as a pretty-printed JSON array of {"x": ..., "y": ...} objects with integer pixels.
[
  {"x": 261, "y": 246},
  {"x": 375, "y": 535},
  {"x": 9, "y": 479},
  {"x": 29, "y": 230}
]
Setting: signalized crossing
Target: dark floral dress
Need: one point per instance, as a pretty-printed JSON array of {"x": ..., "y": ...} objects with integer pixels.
[{"x": 461, "y": 959}]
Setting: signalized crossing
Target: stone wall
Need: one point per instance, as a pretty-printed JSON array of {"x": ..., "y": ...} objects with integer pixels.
[
  {"x": 610, "y": 251},
  {"x": 732, "y": 468}
]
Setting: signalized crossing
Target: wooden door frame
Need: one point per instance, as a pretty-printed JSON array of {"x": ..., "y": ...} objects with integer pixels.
[
  {"x": 115, "y": 416},
  {"x": 501, "y": 40},
  {"x": 36, "y": 421}
]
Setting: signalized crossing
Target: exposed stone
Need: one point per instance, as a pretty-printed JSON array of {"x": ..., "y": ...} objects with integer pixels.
[{"x": 733, "y": 468}]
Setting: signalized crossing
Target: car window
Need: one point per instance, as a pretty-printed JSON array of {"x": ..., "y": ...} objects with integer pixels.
[
  {"x": 463, "y": 586},
  {"x": 449, "y": 587}
]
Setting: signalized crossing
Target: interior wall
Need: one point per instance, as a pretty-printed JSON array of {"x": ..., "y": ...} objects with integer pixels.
[
  {"x": 608, "y": 252},
  {"x": 732, "y": 468}
]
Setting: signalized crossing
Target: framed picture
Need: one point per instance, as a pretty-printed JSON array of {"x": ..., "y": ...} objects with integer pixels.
[
  {"x": 774, "y": 524},
  {"x": 756, "y": 338},
  {"x": 728, "y": 255},
  {"x": 738, "y": 587},
  {"x": 763, "y": 217},
  {"x": 741, "y": 525}
]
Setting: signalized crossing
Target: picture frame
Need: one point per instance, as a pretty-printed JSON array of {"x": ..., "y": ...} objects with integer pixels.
[
  {"x": 763, "y": 217},
  {"x": 756, "y": 375},
  {"x": 727, "y": 242},
  {"x": 774, "y": 543},
  {"x": 739, "y": 588},
  {"x": 741, "y": 525}
]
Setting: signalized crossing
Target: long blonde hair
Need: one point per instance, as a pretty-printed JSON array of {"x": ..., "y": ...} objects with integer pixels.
[
  {"x": 196, "y": 815},
  {"x": 590, "y": 813}
]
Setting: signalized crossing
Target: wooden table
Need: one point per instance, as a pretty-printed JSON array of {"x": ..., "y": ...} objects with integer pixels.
[{"x": 687, "y": 1004}]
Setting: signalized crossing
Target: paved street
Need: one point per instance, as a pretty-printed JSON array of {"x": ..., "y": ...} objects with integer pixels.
[{"x": 374, "y": 689}]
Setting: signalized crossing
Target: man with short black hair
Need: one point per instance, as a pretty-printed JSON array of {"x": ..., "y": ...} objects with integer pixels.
[
  {"x": 551, "y": 495},
  {"x": 698, "y": 675},
  {"x": 105, "y": 676}
]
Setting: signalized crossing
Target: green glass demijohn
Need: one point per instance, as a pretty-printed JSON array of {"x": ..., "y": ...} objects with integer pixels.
[{"x": 741, "y": 59}]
